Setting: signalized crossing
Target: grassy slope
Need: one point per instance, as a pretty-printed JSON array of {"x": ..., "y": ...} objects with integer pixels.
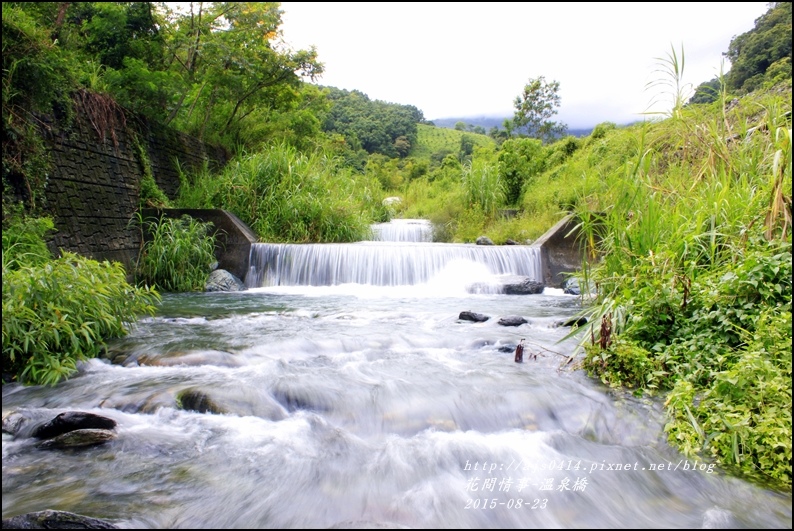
[{"x": 434, "y": 139}]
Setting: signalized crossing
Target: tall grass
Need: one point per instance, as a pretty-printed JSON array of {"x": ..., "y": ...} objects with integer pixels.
[
  {"x": 483, "y": 186},
  {"x": 176, "y": 254},
  {"x": 23, "y": 241},
  {"x": 694, "y": 281},
  {"x": 288, "y": 196},
  {"x": 670, "y": 79}
]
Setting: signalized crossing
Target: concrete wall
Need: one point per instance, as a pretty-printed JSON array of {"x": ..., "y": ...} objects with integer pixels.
[
  {"x": 93, "y": 188},
  {"x": 562, "y": 251}
]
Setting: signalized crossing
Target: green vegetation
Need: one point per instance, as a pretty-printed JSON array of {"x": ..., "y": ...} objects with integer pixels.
[
  {"x": 761, "y": 57},
  {"x": 57, "y": 312},
  {"x": 288, "y": 196},
  {"x": 177, "y": 255},
  {"x": 371, "y": 126},
  {"x": 437, "y": 142},
  {"x": 694, "y": 281},
  {"x": 23, "y": 241}
]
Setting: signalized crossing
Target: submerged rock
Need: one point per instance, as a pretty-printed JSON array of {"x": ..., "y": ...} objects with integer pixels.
[
  {"x": 55, "y": 520},
  {"x": 198, "y": 401},
  {"x": 195, "y": 358},
  {"x": 232, "y": 400},
  {"x": 77, "y": 439}
]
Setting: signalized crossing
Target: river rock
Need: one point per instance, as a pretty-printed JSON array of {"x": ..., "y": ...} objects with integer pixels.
[
  {"x": 233, "y": 399},
  {"x": 13, "y": 422},
  {"x": 394, "y": 200},
  {"x": 516, "y": 285},
  {"x": 472, "y": 316},
  {"x": 296, "y": 398},
  {"x": 512, "y": 320},
  {"x": 509, "y": 285},
  {"x": 22, "y": 422},
  {"x": 484, "y": 240},
  {"x": 55, "y": 520},
  {"x": 144, "y": 401},
  {"x": 571, "y": 286},
  {"x": 222, "y": 280},
  {"x": 70, "y": 421},
  {"x": 198, "y": 401},
  {"x": 77, "y": 439},
  {"x": 194, "y": 358},
  {"x": 574, "y": 321}
]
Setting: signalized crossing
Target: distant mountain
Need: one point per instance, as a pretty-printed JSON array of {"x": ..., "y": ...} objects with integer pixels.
[{"x": 487, "y": 122}]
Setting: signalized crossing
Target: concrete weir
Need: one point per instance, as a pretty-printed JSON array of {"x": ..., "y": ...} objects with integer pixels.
[{"x": 562, "y": 251}]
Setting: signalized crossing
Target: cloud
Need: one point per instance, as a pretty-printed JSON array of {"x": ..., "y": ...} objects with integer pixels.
[{"x": 473, "y": 59}]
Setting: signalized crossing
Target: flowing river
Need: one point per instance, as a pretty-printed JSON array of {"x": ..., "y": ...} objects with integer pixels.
[{"x": 349, "y": 393}]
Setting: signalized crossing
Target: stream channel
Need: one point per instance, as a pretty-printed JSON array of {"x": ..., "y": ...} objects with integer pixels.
[{"x": 349, "y": 393}]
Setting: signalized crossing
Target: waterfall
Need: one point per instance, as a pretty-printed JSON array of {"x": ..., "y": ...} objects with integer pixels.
[
  {"x": 403, "y": 230},
  {"x": 381, "y": 263}
]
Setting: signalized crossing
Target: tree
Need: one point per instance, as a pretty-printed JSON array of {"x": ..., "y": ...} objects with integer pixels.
[
  {"x": 374, "y": 126},
  {"x": 466, "y": 147},
  {"x": 233, "y": 64},
  {"x": 707, "y": 92},
  {"x": 535, "y": 107},
  {"x": 402, "y": 145},
  {"x": 752, "y": 53},
  {"x": 520, "y": 160}
]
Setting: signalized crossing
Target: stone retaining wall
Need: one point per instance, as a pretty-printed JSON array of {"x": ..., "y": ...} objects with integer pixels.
[{"x": 93, "y": 188}]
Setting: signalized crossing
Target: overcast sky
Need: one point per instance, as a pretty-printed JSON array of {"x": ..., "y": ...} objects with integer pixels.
[{"x": 464, "y": 59}]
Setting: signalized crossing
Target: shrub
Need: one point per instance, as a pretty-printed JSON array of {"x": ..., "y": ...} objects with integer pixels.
[
  {"x": 60, "y": 312},
  {"x": 177, "y": 254}
]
